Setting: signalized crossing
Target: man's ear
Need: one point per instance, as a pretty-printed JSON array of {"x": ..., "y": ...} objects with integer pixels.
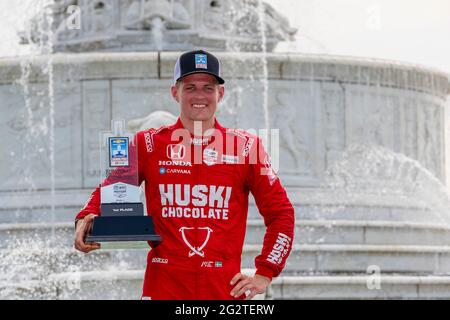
[
  {"x": 174, "y": 91},
  {"x": 221, "y": 92}
]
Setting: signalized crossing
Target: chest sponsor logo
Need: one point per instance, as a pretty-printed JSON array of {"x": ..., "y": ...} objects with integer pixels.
[
  {"x": 196, "y": 202},
  {"x": 176, "y": 151},
  {"x": 148, "y": 142},
  {"x": 230, "y": 159},
  {"x": 200, "y": 141},
  {"x": 199, "y": 249},
  {"x": 174, "y": 171},
  {"x": 175, "y": 163},
  {"x": 210, "y": 157},
  {"x": 280, "y": 249}
]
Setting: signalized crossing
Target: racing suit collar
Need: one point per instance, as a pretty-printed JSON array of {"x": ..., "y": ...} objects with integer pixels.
[
  {"x": 203, "y": 140},
  {"x": 179, "y": 125}
]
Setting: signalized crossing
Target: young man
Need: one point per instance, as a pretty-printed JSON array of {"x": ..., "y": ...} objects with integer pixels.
[{"x": 198, "y": 177}]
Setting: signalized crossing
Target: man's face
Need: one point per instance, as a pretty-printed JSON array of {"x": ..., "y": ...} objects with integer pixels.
[{"x": 198, "y": 95}]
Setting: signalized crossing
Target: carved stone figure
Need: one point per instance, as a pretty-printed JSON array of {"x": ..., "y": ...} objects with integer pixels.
[
  {"x": 218, "y": 16},
  {"x": 140, "y": 14},
  {"x": 277, "y": 25},
  {"x": 293, "y": 137},
  {"x": 242, "y": 18},
  {"x": 102, "y": 15}
]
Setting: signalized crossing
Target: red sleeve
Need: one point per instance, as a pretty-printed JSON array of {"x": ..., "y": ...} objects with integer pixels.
[
  {"x": 278, "y": 213},
  {"x": 92, "y": 205}
]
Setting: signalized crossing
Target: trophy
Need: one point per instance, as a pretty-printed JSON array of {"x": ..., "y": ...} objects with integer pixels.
[{"x": 122, "y": 213}]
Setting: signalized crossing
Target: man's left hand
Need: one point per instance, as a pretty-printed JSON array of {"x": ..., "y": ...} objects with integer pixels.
[{"x": 250, "y": 286}]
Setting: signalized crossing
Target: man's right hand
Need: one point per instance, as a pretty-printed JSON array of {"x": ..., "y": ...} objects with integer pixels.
[{"x": 82, "y": 229}]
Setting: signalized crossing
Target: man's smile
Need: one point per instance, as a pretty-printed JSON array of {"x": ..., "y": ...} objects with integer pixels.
[{"x": 199, "y": 106}]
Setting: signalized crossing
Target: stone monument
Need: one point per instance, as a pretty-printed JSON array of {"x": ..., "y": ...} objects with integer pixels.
[{"x": 155, "y": 25}]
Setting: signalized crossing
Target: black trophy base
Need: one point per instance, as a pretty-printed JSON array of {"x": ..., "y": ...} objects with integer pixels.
[{"x": 109, "y": 229}]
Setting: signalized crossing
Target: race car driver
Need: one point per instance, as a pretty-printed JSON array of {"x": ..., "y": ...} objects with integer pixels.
[{"x": 198, "y": 178}]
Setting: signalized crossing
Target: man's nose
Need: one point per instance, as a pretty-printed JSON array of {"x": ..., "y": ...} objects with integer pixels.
[{"x": 199, "y": 95}]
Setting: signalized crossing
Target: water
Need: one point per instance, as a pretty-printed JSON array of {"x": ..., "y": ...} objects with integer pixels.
[
  {"x": 26, "y": 262},
  {"x": 26, "y": 267},
  {"x": 39, "y": 269},
  {"x": 37, "y": 135},
  {"x": 380, "y": 173},
  {"x": 157, "y": 32},
  {"x": 265, "y": 73},
  {"x": 51, "y": 97}
]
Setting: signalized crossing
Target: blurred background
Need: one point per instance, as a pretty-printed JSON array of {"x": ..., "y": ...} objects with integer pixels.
[{"x": 406, "y": 30}]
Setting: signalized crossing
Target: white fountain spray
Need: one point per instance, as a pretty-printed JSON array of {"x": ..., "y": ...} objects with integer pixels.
[
  {"x": 45, "y": 49},
  {"x": 381, "y": 172},
  {"x": 157, "y": 32},
  {"x": 51, "y": 96},
  {"x": 265, "y": 73},
  {"x": 32, "y": 128},
  {"x": 24, "y": 82}
]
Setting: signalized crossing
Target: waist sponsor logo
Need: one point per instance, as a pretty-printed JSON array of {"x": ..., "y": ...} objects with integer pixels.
[
  {"x": 280, "y": 249},
  {"x": 207, "y": 264},
  {"x": 211, "y": 264},
  {"x": 160, "y": 260}
]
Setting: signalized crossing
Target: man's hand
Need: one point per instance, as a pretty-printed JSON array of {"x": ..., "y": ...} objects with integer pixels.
[
  {"x": 250, "y": 286},
  {"x": 82, "y": 229}
]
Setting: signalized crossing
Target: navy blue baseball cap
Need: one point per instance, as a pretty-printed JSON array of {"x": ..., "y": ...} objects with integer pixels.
[{"x": 197, "y": 61}]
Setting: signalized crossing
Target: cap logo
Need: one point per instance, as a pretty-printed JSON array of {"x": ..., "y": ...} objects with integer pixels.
[{"x": 201, "y": 61}]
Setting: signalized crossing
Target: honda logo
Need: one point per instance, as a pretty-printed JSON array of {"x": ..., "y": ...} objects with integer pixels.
[{"x": 176, "y": 151}]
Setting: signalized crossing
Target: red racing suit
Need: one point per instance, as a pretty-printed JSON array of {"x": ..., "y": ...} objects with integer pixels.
[{"x": 197, "y": 193}]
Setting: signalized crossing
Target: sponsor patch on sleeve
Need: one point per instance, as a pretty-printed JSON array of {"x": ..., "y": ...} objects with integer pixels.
[{"x": 280, "y": 249}]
